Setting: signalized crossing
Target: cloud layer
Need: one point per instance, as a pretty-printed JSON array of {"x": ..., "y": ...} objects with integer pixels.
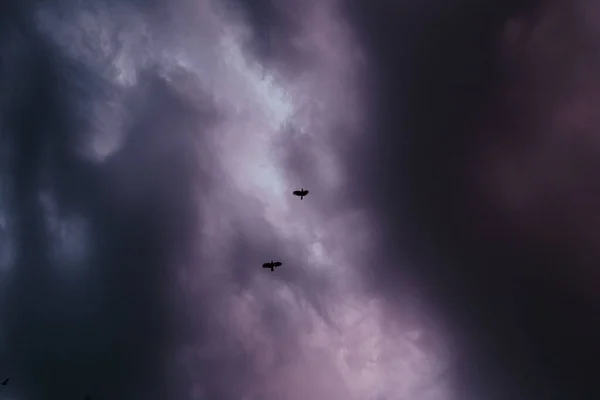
[
  {"x": 447, "y": 248},
  {"x": 151, "y": 153},
  {"x": 482, "y": 177}
]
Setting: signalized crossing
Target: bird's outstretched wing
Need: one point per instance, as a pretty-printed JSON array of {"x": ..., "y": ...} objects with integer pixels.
[
  {"x": 297, "y": 193},
  {"x": 267, "y": 265},
  {"x": 277, "y": 264}
]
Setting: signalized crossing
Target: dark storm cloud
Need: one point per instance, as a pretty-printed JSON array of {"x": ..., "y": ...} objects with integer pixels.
[
  {"x": 506, "y": 285},
  {"x": 109, "y": 330},
  {"x": 106, "y": 319},
  {"x": 149, "y": 176}
]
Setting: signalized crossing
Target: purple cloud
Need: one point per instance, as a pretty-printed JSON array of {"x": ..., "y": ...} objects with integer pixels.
[
  {"x": 446, "y": 249},
  {"x": 154, "y": 181}
]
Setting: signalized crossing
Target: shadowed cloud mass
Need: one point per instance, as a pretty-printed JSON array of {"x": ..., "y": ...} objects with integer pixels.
[
  {"x": 149, "y": 154},
  {"x": 481, "y": 175}
]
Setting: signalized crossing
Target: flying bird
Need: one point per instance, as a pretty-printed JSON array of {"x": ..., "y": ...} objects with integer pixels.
[
  {"x": 302, "y": 192},
  {"x": 272, "y": 265},
  {"x": 5, "y": 382}
]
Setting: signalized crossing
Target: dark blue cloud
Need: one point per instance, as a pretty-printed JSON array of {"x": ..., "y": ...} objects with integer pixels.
[{"x": 108, "y": 331}]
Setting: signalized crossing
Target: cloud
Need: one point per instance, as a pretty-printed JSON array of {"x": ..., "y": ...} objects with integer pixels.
[
  {"x": 153, "y": 151},
  {"x": 86, "y": 305},
  {"x": 481, "y": 128}
]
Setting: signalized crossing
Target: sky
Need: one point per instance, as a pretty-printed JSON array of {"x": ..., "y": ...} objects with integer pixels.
[{"x": 447, "y": 250}]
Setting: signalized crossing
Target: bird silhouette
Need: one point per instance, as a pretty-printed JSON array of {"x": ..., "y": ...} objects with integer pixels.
[
  {"x": 272, "y": 265},
  {"x": 300, "y": 193}
]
